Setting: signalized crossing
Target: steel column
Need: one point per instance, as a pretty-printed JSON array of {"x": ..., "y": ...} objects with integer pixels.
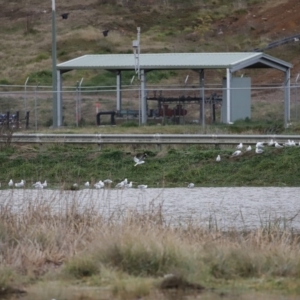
[
  {"x": 143, "y": 96},
  {"x": 202, "y": 97},
  {"x": 287, "y": 111},
  {"x": 59, "y": 100},
  {"x": 54, "y": 75},
  {"x": 228, "y": 82},
  {"x": 119, "y": 90}
]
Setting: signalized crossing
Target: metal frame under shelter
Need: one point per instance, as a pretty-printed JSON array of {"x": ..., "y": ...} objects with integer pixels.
[{"x": 231, "y": 61}]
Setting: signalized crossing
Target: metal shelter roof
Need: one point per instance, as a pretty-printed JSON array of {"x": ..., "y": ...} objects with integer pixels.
[{"x": 168, "y": 61}]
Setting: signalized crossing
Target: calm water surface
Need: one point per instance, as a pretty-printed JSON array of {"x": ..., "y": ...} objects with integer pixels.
[{"x": 240, "y": 207}]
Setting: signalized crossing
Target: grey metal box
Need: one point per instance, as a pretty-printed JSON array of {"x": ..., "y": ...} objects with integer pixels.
[{"x": 240, "y": 99}]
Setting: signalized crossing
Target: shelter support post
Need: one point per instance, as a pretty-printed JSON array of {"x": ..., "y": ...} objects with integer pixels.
[
  {"x": 54, "y": 73},
  {"x": 143, "y": 97},
  {"x": 59, "y": 105},
  {"x": 287, "y": 98},
  {"x": 228, "y": 81},
  {"x": 119, "y": 90},
  {"x": 202, "y": 97}
]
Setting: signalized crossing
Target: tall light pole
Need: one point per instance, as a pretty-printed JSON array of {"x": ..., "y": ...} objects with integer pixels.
[
  {"x": 54, "y": 73},
  {"x": 141, "y": 78}
]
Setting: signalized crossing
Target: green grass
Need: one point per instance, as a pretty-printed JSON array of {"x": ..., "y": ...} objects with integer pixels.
[{"x": 170, "y": 167}]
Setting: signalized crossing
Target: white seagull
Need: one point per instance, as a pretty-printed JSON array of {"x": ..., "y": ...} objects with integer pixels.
[
  {"x": 239, "y": 146},
  {"x": 236, "y": 153},
  {"x": 38, "y": 185},
  {"x": 271, "y": 143},
  {"x": 129, "y": 185},
  {"x": 191, "y": 185},
  {"x": 44, "y": 184},
  {"x": 218, "y": 158},
  {"x": 11, "y": 183},
  {"x": 20, "y": 184},
  {"x": 249, "y": 148},
  {"x": 290, "y": 143},
  {"x": 107, "y": 181},
  {"x": 259, "y": 145},
  {"x": 121, "y": 184},
  {"x": 278, "y": 145},
  {"x": 258, "y": 150},
  {"x": 138, "y": 161},
  {"x": 99, "y": 184},
  {"x": 142, "y": 186},
  {"x": 87, "y": 184}
]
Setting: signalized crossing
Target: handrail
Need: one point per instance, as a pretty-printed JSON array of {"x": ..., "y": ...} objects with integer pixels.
[{"x": 143, "y": 138}]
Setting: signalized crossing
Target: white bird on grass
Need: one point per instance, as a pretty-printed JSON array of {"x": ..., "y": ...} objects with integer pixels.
[
  {"x": 218, "y": 158},
  {"x": 278, "y": 145},
  {"x": 236, "y": 153},
  {"x": 11, "y": 183},
  {"x": 121, "y": 184},
  {"x": 191, "y": 185},
  {"x": 287, "y": 144},
  {"x": 142, "y": 186},
  {"x": 38, "y": 185},
  {"x": 87, "y": 184},
  {"x": 259, "y": 145},
  {"x": 259, "y": 150},
  {"x": 99, "y": 184},
  {"x": 271, "y": 143},
  {"x": 290, "y": 143},
  {"x": 239, "y": 146},
  {"x": 249, "y": 148},
  {"x": 20, "y": 184},
  {"x": 107, "y": 181},
  {"x": 139, "y": 161},
  {"x": 129, "y": 185},
  {"x": 44, "y": 184}
]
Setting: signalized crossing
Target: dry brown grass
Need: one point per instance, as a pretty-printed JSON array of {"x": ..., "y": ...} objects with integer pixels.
[{"x": 129, "y": 251}]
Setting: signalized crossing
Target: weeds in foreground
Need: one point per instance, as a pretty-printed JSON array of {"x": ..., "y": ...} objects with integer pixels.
[{"x": 129, "y": 252}]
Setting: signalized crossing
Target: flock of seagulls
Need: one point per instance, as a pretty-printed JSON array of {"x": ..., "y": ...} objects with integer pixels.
[
  {"x": 138, "y": 160},
  {"x": 124, "y": 184},
  {"x": 259, "y": 147},
  {"x": 21, "y": 184},
  {"x": 40, "y": 185}
]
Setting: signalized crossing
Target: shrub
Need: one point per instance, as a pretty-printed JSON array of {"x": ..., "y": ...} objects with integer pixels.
[{"x": 82, "y": 266}]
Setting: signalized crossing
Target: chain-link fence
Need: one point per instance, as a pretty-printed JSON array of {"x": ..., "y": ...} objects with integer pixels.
[{"x": 31, "y": 107}]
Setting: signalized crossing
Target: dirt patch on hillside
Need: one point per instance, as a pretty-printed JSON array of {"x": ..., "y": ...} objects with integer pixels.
[
  {"x": 269, "y": 22},
  {"x": 272, "y": 22}
]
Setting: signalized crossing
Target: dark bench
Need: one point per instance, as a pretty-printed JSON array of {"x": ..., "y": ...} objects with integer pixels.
[{"x": 112, "y": 116}]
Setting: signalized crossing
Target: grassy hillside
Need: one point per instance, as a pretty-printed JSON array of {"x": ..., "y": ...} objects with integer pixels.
[{"x": 166, "y": 26}]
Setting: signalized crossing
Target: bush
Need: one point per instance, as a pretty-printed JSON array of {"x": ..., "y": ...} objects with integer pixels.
[{"x": 79, "y": 267}]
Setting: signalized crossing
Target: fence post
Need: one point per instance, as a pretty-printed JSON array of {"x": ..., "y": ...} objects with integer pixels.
[
  {"x": 27, "y": 120},
  {"x": 17, "y": 120}
]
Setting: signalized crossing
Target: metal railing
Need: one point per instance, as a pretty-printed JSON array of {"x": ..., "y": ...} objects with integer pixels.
[
  {"x": 293, "y": 38},
  {"x": 158, "y": 139}
]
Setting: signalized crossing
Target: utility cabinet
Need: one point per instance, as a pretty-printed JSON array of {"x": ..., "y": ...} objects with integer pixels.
[{"x": 240, "y": 99}]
